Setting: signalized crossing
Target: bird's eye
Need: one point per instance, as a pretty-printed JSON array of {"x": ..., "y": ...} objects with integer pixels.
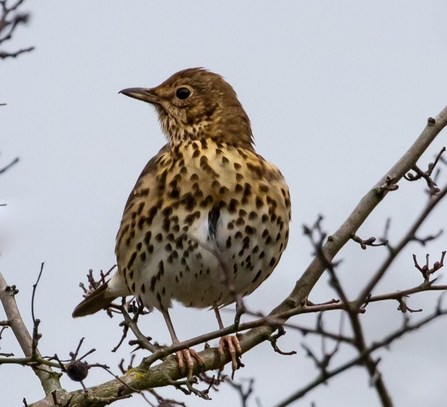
[{"x": 182, "y": 93}]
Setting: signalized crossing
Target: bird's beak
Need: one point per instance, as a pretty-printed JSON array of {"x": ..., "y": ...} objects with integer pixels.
[{"x": 144, "y": 94}]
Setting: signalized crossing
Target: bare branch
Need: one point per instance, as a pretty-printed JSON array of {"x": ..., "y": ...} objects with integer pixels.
[
  {"x": 401, "y": 245},
  {"x": 4, "y": 169},
  {"x": 384, "y": 343},
  {"x": 48, "y": 378},
  {"x": 10, "y": 19}
]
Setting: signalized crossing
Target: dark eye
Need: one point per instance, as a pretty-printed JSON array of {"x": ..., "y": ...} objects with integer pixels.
[{"x": 182, "y": 93}]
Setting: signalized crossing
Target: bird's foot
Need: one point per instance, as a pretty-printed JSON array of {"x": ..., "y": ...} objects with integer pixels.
[
  {"x": 231, "y": 342},
  {"x": 186, "y": 361}
]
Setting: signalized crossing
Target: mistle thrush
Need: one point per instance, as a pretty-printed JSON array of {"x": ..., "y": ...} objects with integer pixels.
[{"x": 208, "y": 218}]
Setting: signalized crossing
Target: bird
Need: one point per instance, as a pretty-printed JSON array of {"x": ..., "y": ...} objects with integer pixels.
[{"x": 208, "y": 218}]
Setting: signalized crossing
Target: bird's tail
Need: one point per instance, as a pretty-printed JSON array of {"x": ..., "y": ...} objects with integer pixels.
[{"x": 96, "y": 301}]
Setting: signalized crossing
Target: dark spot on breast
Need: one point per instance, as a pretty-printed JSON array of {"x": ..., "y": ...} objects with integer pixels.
[
  {"x": 237, "y": 166},
  {"x": 189, "y": 202},
  {"x": 263, "y": 188},
  {"x": 143, "y": 256},
  {"x": 264, "y": 218},
  {"x": 141, "y": 222},
  {"x": 206, "y": 202},
  {"x": 259, "y": 203},
  {"x": 179, "y": 243},
  {"x": 158, "y": 237},
  {"x": 168, "y": 247},
  {"x": 261, "y": 255},
  {"x": 249, "y": 230},
  {"x": 132, "y": 287},
  {"x": 257, "y": 170},
  {"x": 247, "y": 190},
  {"x": 195, "y": 154},
  {"x": 232, "y": 207},
  {"x": 139, "y": 245},
  {"x": 198, "y": 194},
  {"x": 238, "y": 188},
  {"x": 240, "y": 221},
  {"x": 131, "y": 273},
  {"x": 143, "y": 288},
  {"x": 140, "y": 208},
  {"x": 230, "y": 226},
  {"x": 239, "y": 177},
  {"x": 242, "y": 154},
  {"x": 150, "y": 249},
  {"x": 153, "y": 282},
  {"x": 203, "y": 160},
  {"x": 131, "y": 260},
  {"x": 272, "y": 202},
  {"x": 143, "y": 192},
  {"x": 151, "y": 214},
  {"x": 253, "y": 215},
  {"x": 272, "y": 262},
  {"x": 194, "y": 177},
  {"x": 166, "y": 224},
  {"x": 238, "y": 235},
  {"x": 167, "y": 211},
  {"x": 161, "y": 270},
  {"x": 258, "y": 274},
  {"x": 225, "y": 160},
  {"x": 228, "y": 242},
  {"x": 218, "y": 151}
]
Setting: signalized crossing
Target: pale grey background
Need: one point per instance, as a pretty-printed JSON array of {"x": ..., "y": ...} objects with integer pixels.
[{"x": 336, "y": 91}]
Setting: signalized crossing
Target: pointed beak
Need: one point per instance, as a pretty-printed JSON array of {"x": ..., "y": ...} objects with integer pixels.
[{"x": 144, "y": 94}]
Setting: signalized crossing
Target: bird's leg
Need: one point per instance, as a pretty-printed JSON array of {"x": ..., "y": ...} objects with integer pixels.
[
  {"x": 240, "y": 309},
  {"x": 232, "y": 344},
  {"x": 185, "y": 355}
]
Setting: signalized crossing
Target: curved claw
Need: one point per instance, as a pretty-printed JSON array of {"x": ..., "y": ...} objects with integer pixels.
[
  {"x": 233, "y": 346},
  {"x": 186, "y": 356}
]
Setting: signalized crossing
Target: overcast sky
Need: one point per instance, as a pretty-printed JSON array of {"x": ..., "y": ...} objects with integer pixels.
[{"x": 336, "y": 91}]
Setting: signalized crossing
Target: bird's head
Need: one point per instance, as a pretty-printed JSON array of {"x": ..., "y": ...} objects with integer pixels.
[{"x": 196, "y": 104}]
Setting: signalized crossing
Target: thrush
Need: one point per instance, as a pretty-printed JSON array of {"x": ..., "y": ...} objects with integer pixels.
[{"x": 208, "y": 218}]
